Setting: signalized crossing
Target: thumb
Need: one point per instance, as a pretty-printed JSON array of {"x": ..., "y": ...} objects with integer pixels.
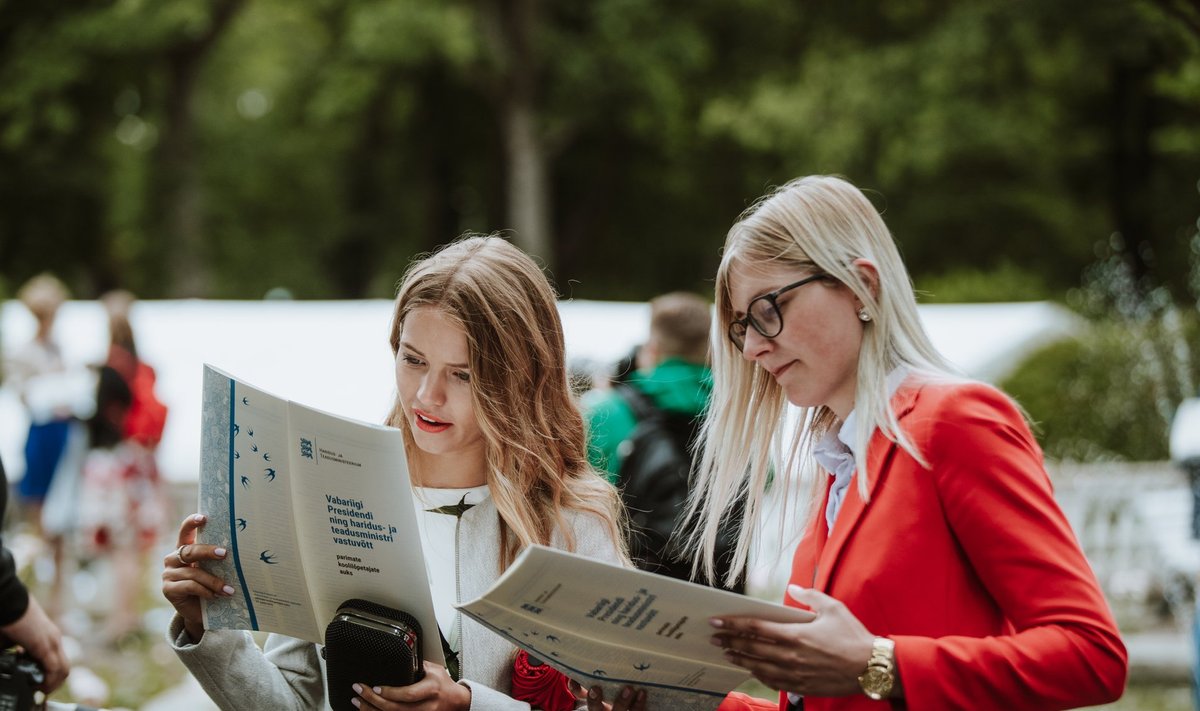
[{"x": 811, "y": 598}]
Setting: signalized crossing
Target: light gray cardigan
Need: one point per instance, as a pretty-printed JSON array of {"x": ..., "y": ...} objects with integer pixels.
[{"x": 290, "y": 674}]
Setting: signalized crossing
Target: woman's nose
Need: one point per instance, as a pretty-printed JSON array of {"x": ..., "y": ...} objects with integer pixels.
[
  {"x": 754, "y": 345},
  {"x": 431, "y": 391}
]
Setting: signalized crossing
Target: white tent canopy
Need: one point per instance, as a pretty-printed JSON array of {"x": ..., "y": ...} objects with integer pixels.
[{"x": 334, "y": 355}]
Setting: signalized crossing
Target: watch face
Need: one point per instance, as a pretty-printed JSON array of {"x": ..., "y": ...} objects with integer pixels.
[{"x": 876, "y": 683}]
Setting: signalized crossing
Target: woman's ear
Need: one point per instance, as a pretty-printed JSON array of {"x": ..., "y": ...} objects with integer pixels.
[{"x": 869, "y": 274}]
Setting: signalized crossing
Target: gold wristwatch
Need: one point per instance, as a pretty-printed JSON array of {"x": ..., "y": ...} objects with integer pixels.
[{"x": 880, "y": 676}]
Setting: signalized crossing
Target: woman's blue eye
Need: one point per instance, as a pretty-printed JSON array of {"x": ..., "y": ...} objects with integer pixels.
[
  {"x": 412, "y": 360},
  {"x": 465, "y": 377}
]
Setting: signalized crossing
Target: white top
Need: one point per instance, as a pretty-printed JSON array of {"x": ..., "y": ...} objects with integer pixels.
[
  {"x": 836, "y": 452},
  {"x": 437, "y": 519}
]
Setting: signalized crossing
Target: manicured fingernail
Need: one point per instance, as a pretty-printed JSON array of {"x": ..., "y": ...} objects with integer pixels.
[
  {"x": 715, "y": 641},
  {"x": 198, "y": 518},
  {"x": 377, "y": 689},
  {"x": 228, "y": 589},
  {"x": 641, "y": 696},
  {"x": 594, "y": 693},
  {"x": 715, "y": 622},
  {"x": 220, "y": 552},
  {"x": 357, "y": 688},
  {"x": 356, "y": 702},
  {"x": 625, "y": 692}
]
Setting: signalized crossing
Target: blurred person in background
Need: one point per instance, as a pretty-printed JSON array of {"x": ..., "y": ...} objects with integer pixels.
[
  {"x": 147, "y": 416},
  {"x": 643, "y": 428},
  {"x": 670, "y": 369},
  {"x": 22, "y": 620},
  {"x": 26, "y": 371},
  {"x": 123, "y": 508},
  {"x": 56, "y": 398}
]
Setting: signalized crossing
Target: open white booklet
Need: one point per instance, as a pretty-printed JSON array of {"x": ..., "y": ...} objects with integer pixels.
[
  {"x": 315, "y": 509},
  {"x": 599, "y": 623}
]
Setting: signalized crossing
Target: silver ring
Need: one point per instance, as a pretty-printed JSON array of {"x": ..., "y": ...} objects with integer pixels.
[{"x": 179, "y": 555}]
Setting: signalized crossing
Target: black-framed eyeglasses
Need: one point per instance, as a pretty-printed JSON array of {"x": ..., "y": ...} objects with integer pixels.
[{"x": 763, "y": 314}]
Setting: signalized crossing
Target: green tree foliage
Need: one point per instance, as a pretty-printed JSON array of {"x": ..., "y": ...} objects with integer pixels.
[
  {"x": 229, "y": 146},
  {"x": 1110, "y": 393},
  {"x": 994, "y": 132}
]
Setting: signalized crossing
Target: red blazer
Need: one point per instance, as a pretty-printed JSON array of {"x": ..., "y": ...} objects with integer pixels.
[{"x": 969, "y": 566}]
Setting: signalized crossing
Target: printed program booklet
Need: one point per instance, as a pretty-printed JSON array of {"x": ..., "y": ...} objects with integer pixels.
[
  {"x": 599, "y": 623},
  {"x": 315, "y": 509}
]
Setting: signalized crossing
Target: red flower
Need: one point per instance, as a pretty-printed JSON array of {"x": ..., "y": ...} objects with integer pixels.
[{"x": 541, "y": 686}]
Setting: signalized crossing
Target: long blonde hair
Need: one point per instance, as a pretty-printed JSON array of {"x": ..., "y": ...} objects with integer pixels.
[
  {"x": 820, "y": 224},
  {"x": 535, "y": 443}
]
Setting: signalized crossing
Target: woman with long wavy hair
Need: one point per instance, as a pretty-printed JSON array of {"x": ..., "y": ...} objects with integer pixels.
[{"x": 497, "y": 454}]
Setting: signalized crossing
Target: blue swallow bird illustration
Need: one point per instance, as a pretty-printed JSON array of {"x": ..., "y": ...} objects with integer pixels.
[
  {"x": 237, "y": 429},
  {"x": 551, "y": 638},
  {"x": 599, "y": 672},
  {"x": 237, "y": 454},
  {"x": 266, "y": 456},
  {"x": 270, "y": 474},
  {"x": 254, "y": 448},
  {"x": 245, "y": 401},
  {"x": 268, "y": 557},
  {"x": 241, "y": 524},
  {"x": 250, "y": 432},
  {"x": 641, "y": 667},
  {"x": 245, "y": 482}
]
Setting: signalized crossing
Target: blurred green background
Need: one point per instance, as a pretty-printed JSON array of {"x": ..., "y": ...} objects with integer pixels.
[
  {"x": 1020, "y": 150},
  {"x": 220, "y": 148}
]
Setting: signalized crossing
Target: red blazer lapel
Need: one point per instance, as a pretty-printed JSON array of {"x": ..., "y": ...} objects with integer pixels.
[
  {"x": 804, "y": 560},
  {"x": 880, "y": 452}
]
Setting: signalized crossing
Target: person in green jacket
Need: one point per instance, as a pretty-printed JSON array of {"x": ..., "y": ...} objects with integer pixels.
[{"x": 672, "y": 372}]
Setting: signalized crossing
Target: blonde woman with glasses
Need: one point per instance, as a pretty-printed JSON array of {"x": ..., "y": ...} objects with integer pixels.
[{"x": 942, "y": 573}]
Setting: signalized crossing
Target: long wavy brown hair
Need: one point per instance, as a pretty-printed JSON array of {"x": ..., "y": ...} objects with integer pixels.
[{"x": 535, "y": 442}]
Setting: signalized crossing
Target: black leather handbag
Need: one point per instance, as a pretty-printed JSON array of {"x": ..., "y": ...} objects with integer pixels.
[{"x": 369, "y": 644}]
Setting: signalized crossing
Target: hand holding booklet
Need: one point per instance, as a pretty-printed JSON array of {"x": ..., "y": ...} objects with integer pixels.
[
  {"x": 316, "y": 509},
  {"x": 599, "y": 623}
]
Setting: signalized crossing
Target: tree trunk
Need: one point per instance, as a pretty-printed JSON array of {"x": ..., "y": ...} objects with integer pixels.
[
  {"x": 509, "y": 27},
  {"x": 528, "y": 188},
  {"x": 353, "y": 259},
  {"x": 182, "y": 192}
]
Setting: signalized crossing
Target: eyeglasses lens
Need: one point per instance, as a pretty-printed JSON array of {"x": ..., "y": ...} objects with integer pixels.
[
  {"x": 765, "y": 318},
  {"x": 737, "y": 334}
]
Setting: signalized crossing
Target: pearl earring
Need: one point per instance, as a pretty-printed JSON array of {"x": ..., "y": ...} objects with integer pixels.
[{"x": 863, "y": 315}]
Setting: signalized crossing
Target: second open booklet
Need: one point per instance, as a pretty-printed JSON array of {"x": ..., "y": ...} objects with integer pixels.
[
  {"x": 599, "y": 623},
  {"x": 314, "y": 508}
]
